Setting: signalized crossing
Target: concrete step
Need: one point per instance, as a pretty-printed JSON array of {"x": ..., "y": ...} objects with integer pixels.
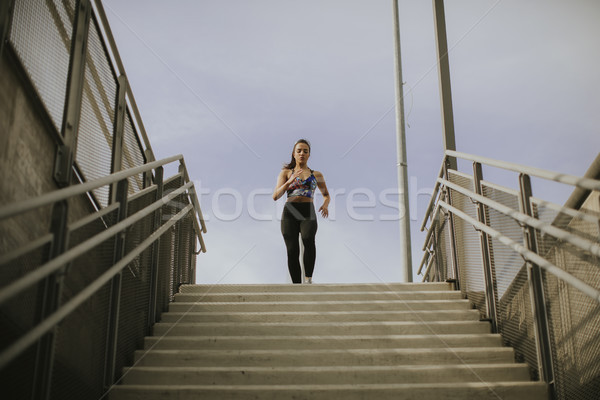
[
  {"x": 325, "y": 375},
  {"x": 200, "y": 305},
  {"x": 323, "y": 357},
  {"x": 275, "y": 288},
  {"x": 322, "y": 316},
  {"x": 317, "y": 296},
  {"x": 322, "y": 329},
  {"x": 320, "y": 342},
  {"x": 421, "y": 391}
]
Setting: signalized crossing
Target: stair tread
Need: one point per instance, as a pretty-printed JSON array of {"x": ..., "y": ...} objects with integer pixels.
[
  {"x": 354, "y": 323},
  {"x": 324, "y": 368},
  {"x": 329, "y": 337}
]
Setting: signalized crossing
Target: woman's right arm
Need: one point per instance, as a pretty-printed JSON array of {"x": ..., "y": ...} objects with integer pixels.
[{"x": 283, "y": 182}]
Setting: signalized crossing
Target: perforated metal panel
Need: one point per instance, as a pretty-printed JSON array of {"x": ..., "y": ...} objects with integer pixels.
[
  {"x": 41, "y": 36},
  {"x": 468, "y": 244},
  {"x": 95, "y": 139},
  {"x": 132, "y": 154}
]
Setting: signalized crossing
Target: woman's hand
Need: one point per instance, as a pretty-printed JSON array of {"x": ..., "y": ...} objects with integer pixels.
[
  {"x": 324, "y": 210},
  {"x": 295, "y": 174}
]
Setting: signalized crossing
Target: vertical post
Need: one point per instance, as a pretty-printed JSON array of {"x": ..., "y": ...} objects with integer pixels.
[
  {"x": 536, "y": 289},
  {"x": 444, "y": 77},
  {"x": 158, "y": 177},
  {"x": 405, "y": 245},
  {"x": 119, "y": 127},
  {"x": 6, "y": 12},
  {"x": 48, "y": 303},
  {"x": 490, "y": 291},
  {"x": 65, "y": 154},
  {"x": 115, "y": 290},
  {"x": 451, "y": 229}
]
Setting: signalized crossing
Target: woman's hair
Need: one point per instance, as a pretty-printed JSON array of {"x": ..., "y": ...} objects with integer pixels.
[{"x": 292, "y": 163}]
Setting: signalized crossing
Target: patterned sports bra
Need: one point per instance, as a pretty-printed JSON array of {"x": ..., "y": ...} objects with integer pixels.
[{"x": 301, "y": 187}]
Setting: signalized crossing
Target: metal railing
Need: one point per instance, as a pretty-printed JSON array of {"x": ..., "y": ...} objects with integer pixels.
[
  {"x": 145, "y": 242},
  {"x": 531, "y": 267},
  {"x": 85, "y": 270}
]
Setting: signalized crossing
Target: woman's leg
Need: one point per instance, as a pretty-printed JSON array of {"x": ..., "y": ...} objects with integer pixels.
[
  {"x": 308, "y": 230},
  {"x": 290, "y": 227}
]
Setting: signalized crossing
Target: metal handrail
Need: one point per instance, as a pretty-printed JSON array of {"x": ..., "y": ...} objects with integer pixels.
[
  {"x": 56, "y": 263},
  {"x": 37, "y": 332},
  {"x": 580, "y": 182},
  {"x": 573, "y": 180},
  {"x": 527, "y": 254},
  {"x": 61, "y": 194},
  {"x": 543, "y": 227},
  {"x": 20, "y": 207}
]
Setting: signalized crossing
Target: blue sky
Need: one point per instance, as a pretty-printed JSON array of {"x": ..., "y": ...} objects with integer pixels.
[{"x": 232, "y": 84}]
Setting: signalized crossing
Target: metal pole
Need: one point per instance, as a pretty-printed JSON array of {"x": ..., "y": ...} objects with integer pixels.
[
  {"x": 444, "y": 77},
  {"x": 405, "y": 246}
]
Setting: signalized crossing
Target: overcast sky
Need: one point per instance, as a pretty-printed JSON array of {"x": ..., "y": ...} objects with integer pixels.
[{"x": 232, "y": 84}]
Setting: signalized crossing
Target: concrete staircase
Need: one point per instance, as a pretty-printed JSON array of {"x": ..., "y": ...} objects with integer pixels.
[{"x": 367, "y": 341}]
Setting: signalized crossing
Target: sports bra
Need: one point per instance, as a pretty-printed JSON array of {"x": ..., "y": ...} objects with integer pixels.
[{"x": 301, "y": 187}]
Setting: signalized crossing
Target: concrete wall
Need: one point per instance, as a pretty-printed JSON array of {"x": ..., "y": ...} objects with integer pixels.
[{"x": 27, "y": 146}]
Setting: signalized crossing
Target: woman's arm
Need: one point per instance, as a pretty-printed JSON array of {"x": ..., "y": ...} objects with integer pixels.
[
  {"x": 324, "y": 209},
  {"x": 283, "y": 182}
]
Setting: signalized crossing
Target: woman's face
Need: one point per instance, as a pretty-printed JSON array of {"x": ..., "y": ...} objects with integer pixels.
[{"x": 301, "y": 153}]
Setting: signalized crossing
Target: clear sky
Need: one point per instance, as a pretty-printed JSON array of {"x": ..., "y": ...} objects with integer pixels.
[{"x": 232, "y": 84}]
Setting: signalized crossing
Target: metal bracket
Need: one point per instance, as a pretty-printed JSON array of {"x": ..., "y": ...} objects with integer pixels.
[{"x": 63, "y": 160}]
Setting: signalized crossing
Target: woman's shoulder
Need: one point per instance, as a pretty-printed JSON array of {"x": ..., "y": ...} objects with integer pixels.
[
  {"x": 286, "y": 172},
  {"x": 317, "y": 174}
]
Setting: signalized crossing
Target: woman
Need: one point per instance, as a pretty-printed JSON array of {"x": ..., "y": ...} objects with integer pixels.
[{"x": 299, "y": 181}]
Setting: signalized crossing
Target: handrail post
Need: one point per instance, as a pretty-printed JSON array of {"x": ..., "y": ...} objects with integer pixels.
[
  {"x": 49, "y": 302},
  {"x": 65, "y": 154},
  {"x": 115, "y": 290},
  {"x": 444, "y": 78},
  {"x": 118, "y": 134},
  {"x": 158, "y": 177},
  {"x": 452, "y": 235},
  {"x": 536, "y": 288},
  {"x": 490, "y": 291}
]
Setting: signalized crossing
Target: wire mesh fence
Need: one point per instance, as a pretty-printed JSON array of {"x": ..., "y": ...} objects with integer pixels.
[{"x": 572, "y": 316}]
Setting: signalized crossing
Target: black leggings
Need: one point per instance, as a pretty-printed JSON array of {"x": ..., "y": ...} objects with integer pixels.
[{"x": 299, "y": 217}]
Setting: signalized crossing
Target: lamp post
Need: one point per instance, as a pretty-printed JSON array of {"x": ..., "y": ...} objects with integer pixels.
[{"x": 405, "y": 246}]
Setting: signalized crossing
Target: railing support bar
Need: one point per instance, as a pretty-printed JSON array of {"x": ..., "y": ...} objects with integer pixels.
[
  {"x": 158, "y": 177},
  {"x": 115, "y": 290},
  {"x": 49, "y": 302},
  {"x": 490, "y": 291},
  {"x": 65, "y": 154},
  {"x": 536, "y": 287}
]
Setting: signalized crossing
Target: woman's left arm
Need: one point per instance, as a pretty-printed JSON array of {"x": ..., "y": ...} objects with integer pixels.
[{"x": 324, "y": 209}]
